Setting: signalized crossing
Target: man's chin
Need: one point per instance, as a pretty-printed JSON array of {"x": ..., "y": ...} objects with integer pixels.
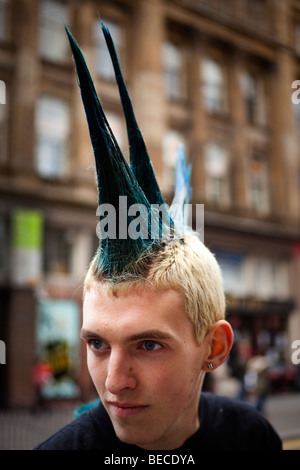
[{"x": 136, "y": 438}]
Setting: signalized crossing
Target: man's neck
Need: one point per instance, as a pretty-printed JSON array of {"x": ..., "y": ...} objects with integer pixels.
[{"x": 183, "y": 429}]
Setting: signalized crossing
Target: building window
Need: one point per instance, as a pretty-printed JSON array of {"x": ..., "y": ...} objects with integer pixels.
[
  {"x": 53, "y": 41},
  {"x": 68, "y": 252},
  {"x": 258, "y": 183},
  {"x": 255, "y": 13},
  {"x": 214, "y": 86},
  {"x": 174, "y": 71},
  {"x": 218, "y": 6},
  {"x": 171, "y": 141},
  {"x": 217, "y": 173},
  {"x": 59, "y": 249},
  {"x": 4, "y": 19},
  {"x": 52, "y": 136},
  {"x": 254, "y": 97},
  {"x": 103, "y": 64}
]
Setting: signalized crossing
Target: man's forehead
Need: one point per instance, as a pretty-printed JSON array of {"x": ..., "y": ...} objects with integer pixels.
[
  {"x": 102, "y": 294},
  {"x": 139, "y": 311}
]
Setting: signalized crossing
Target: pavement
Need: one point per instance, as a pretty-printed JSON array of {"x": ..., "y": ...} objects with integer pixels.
[
  {"x": 24, "y": 429},
  {"x": 283, "y": 412}
]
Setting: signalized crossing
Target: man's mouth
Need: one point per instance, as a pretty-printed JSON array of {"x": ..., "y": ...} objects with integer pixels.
[{"x": 125, "y": 410}]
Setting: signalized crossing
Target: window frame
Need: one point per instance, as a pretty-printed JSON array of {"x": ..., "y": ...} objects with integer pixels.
[
  {"x": 211, "y": 182},
  {"x": 50, "y": 24},
  {"x": 41, "y": 131},
  {"x": 256, "y": 106},
  {"x": 262, "y": 206},
  {"x": 177, "y": 73},
  {"x": 221, "y": 106}
]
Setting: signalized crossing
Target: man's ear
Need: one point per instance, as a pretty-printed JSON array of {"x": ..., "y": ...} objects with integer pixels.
[{"x": 220, "y": 339}]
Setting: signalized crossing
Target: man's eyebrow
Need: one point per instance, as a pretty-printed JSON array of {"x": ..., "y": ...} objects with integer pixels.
[
  {"x": 84, "y": 334},
  {"x": 149, "y": 334}
]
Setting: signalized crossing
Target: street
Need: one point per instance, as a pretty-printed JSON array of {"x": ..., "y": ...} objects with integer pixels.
[{"x": 283, "y": 412}]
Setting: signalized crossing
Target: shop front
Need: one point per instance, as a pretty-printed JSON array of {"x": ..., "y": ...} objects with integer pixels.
[{"x": 261, "y": 330}]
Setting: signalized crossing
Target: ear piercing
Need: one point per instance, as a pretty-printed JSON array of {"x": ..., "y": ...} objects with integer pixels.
[{"x": 210, "y": 365}]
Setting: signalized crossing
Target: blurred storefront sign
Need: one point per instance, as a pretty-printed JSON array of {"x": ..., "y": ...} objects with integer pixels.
[
  {"x": 231, "y": 266},
  {"x": 244, "y": 305},
  {"x": 57, "y": 344},
  {"x": 26, "y": 247}
]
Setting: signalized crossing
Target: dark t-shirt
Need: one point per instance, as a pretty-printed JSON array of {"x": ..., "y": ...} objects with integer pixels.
[{"x": 225, "y": 424}]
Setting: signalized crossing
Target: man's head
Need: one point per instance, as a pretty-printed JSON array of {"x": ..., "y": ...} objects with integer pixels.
[
  {"x": 184, "y": 265},
  {"x": 150, "y": 338},
  {"x": 153, "y": 313}
]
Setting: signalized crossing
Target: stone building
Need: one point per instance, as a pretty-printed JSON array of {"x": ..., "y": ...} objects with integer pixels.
[{"x": 221, "y": 77}]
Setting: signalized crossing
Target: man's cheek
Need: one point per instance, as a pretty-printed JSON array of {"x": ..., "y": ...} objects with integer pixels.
[{"x": 95, "y": 371}]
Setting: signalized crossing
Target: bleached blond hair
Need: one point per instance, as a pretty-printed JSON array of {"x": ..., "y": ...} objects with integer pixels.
[{"x": 185, "y": 265}]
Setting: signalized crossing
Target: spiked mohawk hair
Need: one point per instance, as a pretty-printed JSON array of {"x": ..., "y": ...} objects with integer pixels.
[{"x": 118, "y": 181}]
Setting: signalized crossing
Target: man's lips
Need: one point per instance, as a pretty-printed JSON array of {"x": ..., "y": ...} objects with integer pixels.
[{"x": 125, "y": 410}]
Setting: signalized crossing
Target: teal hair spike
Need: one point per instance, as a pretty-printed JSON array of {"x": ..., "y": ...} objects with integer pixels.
[
  {"x": 116, "y": 182},
  {"x": 139, "y": 159}
]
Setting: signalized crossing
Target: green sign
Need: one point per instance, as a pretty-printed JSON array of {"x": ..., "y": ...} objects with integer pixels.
[{"x": 27, "y": 229}]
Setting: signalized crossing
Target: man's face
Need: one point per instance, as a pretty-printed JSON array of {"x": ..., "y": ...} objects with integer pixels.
[{"x": 145, "y": 364}]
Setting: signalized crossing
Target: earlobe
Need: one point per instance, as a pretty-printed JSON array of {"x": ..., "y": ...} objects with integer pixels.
[{"x": 220, "y": 339}]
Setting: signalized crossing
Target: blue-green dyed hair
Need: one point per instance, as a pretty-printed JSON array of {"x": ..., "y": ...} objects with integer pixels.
[{"x": 135, "y": 183}]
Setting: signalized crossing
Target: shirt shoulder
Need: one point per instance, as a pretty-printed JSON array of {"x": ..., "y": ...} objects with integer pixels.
[
  {"x": 234, "y": 424},
  {"x": 87, "y": 432}
]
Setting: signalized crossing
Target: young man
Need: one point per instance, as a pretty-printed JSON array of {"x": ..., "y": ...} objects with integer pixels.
[
  {"x": 150, "y": 343},
  {"x": 153, "y": 317}
]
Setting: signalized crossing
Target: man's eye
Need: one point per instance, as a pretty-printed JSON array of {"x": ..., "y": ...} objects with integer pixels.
[
  {"x": 97, "y": 344},
  {"x": 151, "y": 345}
]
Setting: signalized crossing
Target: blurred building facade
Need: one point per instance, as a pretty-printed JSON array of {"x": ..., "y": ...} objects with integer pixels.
[{"x": 217, "y": 76}]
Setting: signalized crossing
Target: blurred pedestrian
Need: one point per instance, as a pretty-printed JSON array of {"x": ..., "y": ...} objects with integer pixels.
[
  {"x": 257, "y": 381},
  {"x": 42, "y": 375}
]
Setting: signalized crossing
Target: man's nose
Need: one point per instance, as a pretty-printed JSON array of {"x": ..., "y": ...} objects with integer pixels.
[{"x": 120, "y": 373}]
